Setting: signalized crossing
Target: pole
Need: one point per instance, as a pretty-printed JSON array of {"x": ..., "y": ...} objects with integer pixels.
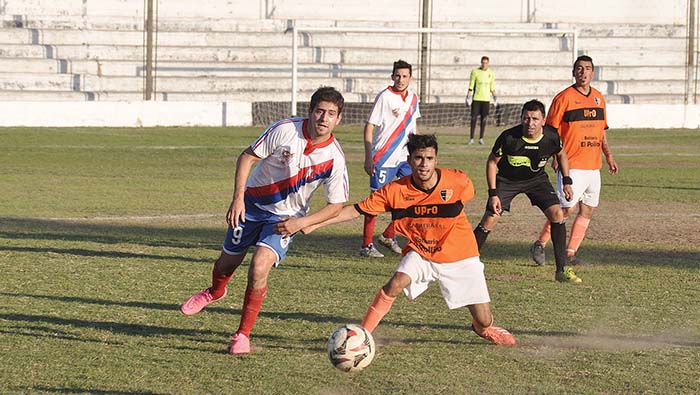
[
  {"x": 691, "y": 54},
  {"x": 149, "y": 51},
  {"x": 426, "y": 22},
  {"x": 295, "y": 60}
]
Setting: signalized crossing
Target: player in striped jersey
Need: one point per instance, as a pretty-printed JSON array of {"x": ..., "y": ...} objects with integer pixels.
[
  {"x": 392, "y": 119},
  {"x": 579, "y": 115},
  {"x": 294, "y": 157},
  {"x": 428, "y": 209}
]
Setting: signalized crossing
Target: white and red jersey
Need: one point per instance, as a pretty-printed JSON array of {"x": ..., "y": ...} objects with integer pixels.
[
  {"x": 292, "y": 168},
  {"x": 395, "y": 118}
]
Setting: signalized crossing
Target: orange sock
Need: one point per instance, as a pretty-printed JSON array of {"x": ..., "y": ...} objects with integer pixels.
[
  {"x": 578, "y": 232},
  {"x": 545, "y": 234},
  {"x": 377, "y": 310}
]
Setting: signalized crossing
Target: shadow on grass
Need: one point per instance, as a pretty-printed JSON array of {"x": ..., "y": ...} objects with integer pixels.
[
  {"x": 104, "y": 254},
  {"x": 93, "y": 391},
  {"x": 109, "y": 233},
  {"x": 597, "y": 255},
  {"x": 148, "y": 330},
  {"x": 646, "y": 186},
  {"x": 322, "y": 244},
  {"x": 318, "y": 244}
]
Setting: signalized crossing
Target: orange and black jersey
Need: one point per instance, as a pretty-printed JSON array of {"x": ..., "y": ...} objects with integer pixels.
[
  {"x": 581, "y": 122},
  {"x": 522, "y": 158},
  {"x": 432, "y": 220}
]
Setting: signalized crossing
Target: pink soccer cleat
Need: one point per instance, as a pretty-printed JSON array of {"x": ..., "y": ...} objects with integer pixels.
[
  {"x": 240, "y": 344},
  {"x": 198, "y": 301}
]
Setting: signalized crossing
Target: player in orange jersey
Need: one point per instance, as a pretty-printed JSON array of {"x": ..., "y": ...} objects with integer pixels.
[
  {"x": 579, "y": 115},
  {"x": 427, "y": 207}
]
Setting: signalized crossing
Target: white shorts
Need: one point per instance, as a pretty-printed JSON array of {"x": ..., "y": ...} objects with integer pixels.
[
  {"x": 462, "y": 283},
  {"x": 586, "y": 188}
]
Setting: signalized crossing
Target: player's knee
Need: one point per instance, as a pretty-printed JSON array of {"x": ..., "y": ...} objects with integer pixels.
[{"x": 396, "y": 284}]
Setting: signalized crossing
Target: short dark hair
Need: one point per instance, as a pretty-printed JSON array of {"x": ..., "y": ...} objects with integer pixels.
[
  {"x": 533, "y": 105},
  {"x": 417, "y": 141},
  {"x": 584, "y": 58},
  {"x": 402, "y": 64},
  {"x": 485, "y": 58},
  {"x": 329, "y": 94}
]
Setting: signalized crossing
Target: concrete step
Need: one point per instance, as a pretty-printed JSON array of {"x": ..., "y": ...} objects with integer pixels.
[
  {"x": 23, "y": 95},
  {"x": 647, "y": 87},
  {"x": 39, "y": 82},
  {"x": 625, "y": 73},
  {"x": 121, "y": 37},
  {"x": 614, "y": 57},
  {"x": 25, "y": 51},
  {"x": 136, "y": 23},
  {"x": 641, "y": 43},
  {"x": 274, "y": 54},
  {"x": 30, "y": 65}
]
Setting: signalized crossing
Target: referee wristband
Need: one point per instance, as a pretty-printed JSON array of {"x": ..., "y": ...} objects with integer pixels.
[
  {"x": 566, "y": 180},
  {"x": 493, "y": 192}
]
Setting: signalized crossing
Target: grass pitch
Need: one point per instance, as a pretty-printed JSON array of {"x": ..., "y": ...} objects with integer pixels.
[{"x": 104, "y": 232}]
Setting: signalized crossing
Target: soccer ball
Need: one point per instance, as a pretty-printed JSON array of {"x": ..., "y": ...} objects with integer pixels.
[{"x": 351, "y": 348}]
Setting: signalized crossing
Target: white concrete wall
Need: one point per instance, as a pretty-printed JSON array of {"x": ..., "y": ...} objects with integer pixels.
[
  {"x": 138, "y": 114},
  {"x": 454, "y": 11},
  {"x": 125, "y": 114},
  {"x": 647, "y": 116}
]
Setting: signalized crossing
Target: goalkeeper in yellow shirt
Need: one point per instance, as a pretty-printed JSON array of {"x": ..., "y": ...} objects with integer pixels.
[{"x": 482, "y": 86}]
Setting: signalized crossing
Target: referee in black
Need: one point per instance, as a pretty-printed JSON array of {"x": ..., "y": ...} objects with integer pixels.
[{"x": 516, "y": 165}]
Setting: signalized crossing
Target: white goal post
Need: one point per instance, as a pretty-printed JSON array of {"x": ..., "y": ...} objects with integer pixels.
[{"x": 433, "y": 93}]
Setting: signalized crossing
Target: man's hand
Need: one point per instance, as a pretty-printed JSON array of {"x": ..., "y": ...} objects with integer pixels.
[
  {"x": 495, "y": 203},
  {"x": 236, "y": 213},
  {"x": 568, "y": 192},
  {"x": 612, "y": 165},
  {"x": 288, "y": 226},
  {"x": 369, "y": 166}
]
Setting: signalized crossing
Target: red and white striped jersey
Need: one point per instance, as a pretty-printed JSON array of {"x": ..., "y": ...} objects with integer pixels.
[
  {"x": 395, "y": 118},
  {"x": 292, "y": 169}
]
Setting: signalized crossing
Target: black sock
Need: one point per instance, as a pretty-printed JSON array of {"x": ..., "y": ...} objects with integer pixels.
[
  {"x": 481, "y": 234},
  {"x": 559, "y": 244}
]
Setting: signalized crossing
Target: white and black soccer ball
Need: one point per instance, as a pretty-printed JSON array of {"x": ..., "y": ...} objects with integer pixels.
[{"x": 351, "y": 348}]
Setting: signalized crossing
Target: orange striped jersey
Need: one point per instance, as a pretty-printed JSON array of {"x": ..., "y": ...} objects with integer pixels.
[
  {"x": 581, "y": 122},
  {"x": 432, "y": 220}
]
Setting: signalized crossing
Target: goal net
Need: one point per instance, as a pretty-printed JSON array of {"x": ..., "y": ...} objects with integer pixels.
[{"x": 528, "y": 64}]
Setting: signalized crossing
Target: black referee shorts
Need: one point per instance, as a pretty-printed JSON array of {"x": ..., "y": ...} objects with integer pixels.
[{"x": 538, "y": 189}]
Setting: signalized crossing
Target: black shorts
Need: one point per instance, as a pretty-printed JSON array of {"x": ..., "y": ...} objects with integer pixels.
[
  {"x": 480, "y": 108},
  {"x": 538, "y": 189}
]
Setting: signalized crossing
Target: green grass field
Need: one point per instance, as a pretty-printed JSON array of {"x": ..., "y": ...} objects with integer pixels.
[{"x": 104, "y": 232}]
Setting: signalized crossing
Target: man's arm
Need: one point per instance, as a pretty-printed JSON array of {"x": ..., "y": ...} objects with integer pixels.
[
  {"x": 244, "y": 164},
  {"x": 291, "y": 225},
  {"x": 612, "y": 164},
  {"x": 563, "y": 162},
  {"x": 347, "y": 213},
  {"x": 369, "y": 162},
  {"x": 491, "y": 171}
]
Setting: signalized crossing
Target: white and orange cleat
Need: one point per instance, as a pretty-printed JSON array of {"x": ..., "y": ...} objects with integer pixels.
[{"x": 494, "y": 334}]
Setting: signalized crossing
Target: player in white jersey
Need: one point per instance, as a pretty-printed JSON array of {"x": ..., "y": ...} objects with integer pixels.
[
  {"x": 294, "y": 157},
  {"x": 392, "y": 119}
]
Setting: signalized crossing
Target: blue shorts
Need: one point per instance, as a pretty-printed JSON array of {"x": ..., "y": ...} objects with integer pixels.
[
  {"x": 385, "y": 175},
  {"x": 250, "y": 233}
]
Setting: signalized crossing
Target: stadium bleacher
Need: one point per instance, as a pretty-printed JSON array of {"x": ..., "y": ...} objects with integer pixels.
[{"x": 58, "y": 51}]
